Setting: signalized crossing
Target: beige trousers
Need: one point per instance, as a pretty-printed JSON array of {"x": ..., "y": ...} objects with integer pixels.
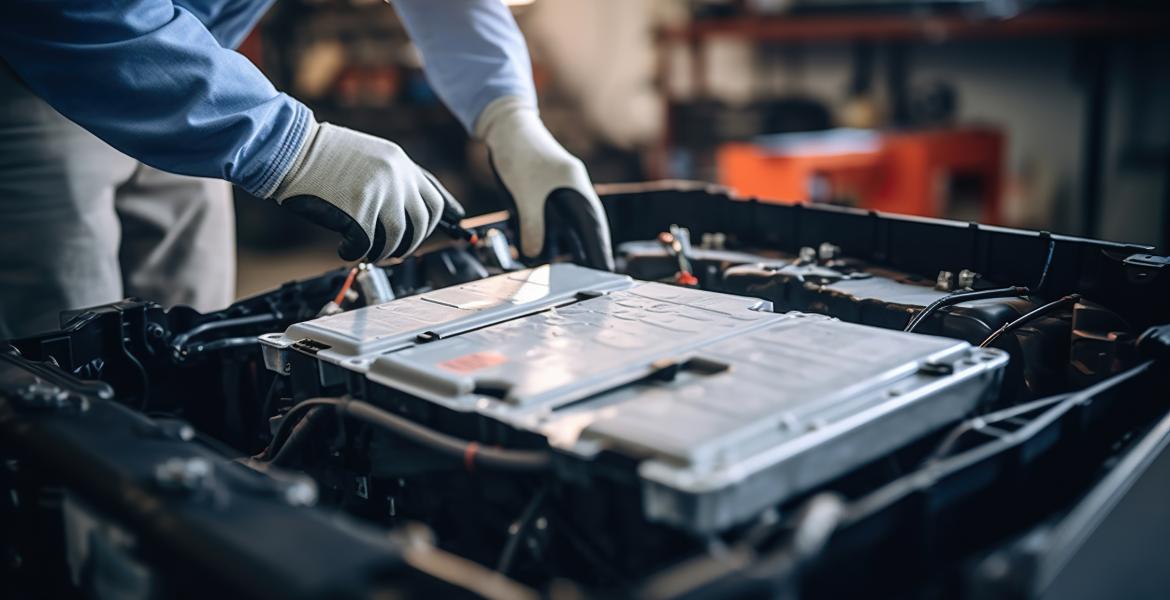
[{"x": 82, "y": 224}]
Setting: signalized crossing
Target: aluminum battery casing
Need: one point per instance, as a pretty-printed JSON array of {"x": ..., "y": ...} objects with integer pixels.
[{"x": 724, "y": 407}]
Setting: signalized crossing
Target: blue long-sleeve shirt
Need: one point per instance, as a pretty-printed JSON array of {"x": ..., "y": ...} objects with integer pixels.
[{"x": 160, "y": 80}]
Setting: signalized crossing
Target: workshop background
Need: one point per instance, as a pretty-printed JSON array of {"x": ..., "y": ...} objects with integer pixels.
[{"x": 1042, "y": 114}]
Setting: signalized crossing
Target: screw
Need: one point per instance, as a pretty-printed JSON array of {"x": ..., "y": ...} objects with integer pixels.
[
  {"x": 186, "y": 474},
  {"x": 43, "y": 394},
  {"x": 945, "y": 281},
  {"x": 302, "y": 492}
]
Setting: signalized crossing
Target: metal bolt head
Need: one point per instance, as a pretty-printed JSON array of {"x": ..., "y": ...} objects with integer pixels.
[
  {"x": 713, "y": 241},
  {"x": 42, "y": 394},
  {"x": 828, "y": 251},
  {"x": 945, "y": 281},
  {"x": 967, "y": 278},
  {"x": 302, "y": 492},
  {"x": 187, "y": 474},
  {"x": 808, "y": 254}
]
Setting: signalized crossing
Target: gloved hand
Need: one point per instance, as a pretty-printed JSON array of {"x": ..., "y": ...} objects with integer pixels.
[
  {"x": 365, "y": 188},
  {"x": 542, "y": 178}
]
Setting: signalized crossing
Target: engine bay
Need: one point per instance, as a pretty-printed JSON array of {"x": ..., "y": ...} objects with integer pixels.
[{"x": 763, "y": 401}]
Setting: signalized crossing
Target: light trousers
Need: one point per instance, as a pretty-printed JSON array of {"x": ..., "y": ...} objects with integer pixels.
[{"x": 82, "y": 224}]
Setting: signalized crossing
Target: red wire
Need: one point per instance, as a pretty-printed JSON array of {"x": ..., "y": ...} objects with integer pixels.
[
  {"x": 345, "y": 286},
  {"x": 469, "y": 456}
]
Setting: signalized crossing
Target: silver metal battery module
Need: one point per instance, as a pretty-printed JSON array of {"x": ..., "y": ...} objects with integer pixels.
[{"x": 724, "y": 407}]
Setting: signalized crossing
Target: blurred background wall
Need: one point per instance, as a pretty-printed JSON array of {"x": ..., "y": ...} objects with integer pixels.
[{"x": 1040, "y": 114}]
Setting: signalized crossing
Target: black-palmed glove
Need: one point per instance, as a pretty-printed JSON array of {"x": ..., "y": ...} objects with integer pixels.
[
  {"x": 542, "y": 177},
  {"x": 365, "y": 188}
]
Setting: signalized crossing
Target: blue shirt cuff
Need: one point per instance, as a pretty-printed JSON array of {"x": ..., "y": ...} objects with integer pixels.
[{"x": 286, "y": 153}]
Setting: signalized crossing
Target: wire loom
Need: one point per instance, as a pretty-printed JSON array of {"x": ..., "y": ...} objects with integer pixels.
[{"x": 471, "y": 453}]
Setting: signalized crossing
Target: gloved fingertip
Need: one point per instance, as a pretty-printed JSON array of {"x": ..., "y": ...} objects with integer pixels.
[
  {"x": 531, "y": 246},
  {"x": 377, "y": 250},
  {"x": 349, "y": 250}
]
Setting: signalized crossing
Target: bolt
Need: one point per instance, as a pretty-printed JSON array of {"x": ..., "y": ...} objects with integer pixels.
[
  {"x": 186, "y": 474},
  {"x": 43, "y": 394},
  {"x": 996, "y": 567},
  {"x": 302, "y": 492},
  {"x": 713, "y": 241},
  {"x": 967, "y": 278},
  {"x": 936, "y": 368},
  {"x": 945, "y": 281}
]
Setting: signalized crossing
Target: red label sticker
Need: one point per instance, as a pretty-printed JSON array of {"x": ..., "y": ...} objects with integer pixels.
[{"x": 474, "y": 362}]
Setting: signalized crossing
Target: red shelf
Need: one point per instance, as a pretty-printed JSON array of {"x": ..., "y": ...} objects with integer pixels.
[{"x": 939, "y": 27}]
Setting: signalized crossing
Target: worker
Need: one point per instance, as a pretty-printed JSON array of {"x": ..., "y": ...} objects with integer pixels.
[{"x": 121, "y": 120}]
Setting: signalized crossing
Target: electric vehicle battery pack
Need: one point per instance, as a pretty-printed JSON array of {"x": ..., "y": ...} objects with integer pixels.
[
  {"x": 722, "y": 407},
  {"x": 351, "y": 340}
]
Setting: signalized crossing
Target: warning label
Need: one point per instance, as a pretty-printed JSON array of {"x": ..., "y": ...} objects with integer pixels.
[{"x": 474, "y": 362}]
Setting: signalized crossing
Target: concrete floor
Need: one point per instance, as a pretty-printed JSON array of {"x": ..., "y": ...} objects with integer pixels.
[{"x": 260, "y": 271}]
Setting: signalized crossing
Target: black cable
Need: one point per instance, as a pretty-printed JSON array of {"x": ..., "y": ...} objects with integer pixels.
[
  {"x": 1047, "y": 264},
  {"x": 960, "y": 297},
  {"x": 145, "y": 404},
  {"x": 269, "y": 402},
  {"x": 233, "y": 342},
  {"x": 519, "y": 530},
  {"x": 288, "y": 421},
  {"x": 745, "y": 570},
  {"x": 608, "y": 569},
  {"x": 181, "y": 339},
  {"x": 471, "y": 452},
  {"x": 977, "y": 423},
  {"x": 297, "y": 437},
  {"x": 1028, "y": 317}
]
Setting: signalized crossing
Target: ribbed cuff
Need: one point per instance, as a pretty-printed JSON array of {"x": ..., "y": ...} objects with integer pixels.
[
  {"x": 291, "y": 149},
  {"x": 501, "y": 111}
]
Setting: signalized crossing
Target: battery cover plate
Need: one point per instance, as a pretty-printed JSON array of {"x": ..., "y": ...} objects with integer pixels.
[{"x": 725, "y": 407}]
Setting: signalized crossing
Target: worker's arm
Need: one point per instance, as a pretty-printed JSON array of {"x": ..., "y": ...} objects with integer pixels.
[
  {"x": 147, "y": 77},
  {"x": 476, "y": 58},
  {"x": 229, "y": 21}
]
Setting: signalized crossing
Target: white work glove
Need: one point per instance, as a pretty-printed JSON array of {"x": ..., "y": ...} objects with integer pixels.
[
  {"x": 545, "y": 182},
  {"x": 367, "y": 189}
]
